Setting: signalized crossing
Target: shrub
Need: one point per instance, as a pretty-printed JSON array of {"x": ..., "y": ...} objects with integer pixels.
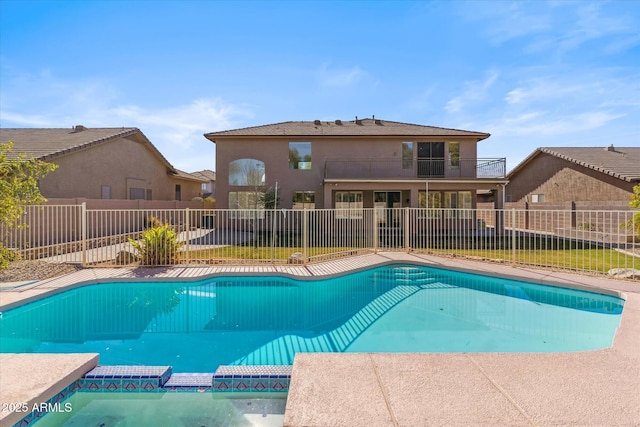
[
  {"x": 6, "y": 256},
  {"x": 634, "y": 203},
  {"x": 159, "y": 245}
]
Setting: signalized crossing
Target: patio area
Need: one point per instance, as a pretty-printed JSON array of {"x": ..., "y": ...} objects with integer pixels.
[{"x": 385, "y": 389}]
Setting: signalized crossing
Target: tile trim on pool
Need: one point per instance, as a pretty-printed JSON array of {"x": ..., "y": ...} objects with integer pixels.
[{"x": 161, "y": 379}]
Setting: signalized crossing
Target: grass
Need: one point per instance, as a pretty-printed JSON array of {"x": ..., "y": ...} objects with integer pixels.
[
  {"x": 586, "y": 259},
  {"x": 591, "y": 259}
]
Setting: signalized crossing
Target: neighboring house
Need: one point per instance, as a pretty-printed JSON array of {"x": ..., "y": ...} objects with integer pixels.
[
  {"x": 102, "y": 163},
  {"x": 576, "y": 174},
  {"x": 208, "y": 188},
  {"x": 354, "y": 164}
]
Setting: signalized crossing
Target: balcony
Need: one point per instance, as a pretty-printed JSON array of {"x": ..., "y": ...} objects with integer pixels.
[{"x": 398, "y": 168}]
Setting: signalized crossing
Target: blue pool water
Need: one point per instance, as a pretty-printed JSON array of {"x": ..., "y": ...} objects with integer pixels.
[{"x": 197, "y": 326}]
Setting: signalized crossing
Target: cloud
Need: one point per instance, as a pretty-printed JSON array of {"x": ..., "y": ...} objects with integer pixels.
[
  {"x": 473, "y": 93},
  {"x": 176, "y": 131},
  {"x": 341, "y": 77},
  {"x": 545, "y": 124},
  {"x": 560, "y": 27}
]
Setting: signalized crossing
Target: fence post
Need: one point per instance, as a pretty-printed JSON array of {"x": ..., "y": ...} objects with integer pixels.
[
  {"x": 83, "y": 232},
  {"x": 513, "y": 236},
  {"x": 406, "y": 230},
  {"x": 187, "y": 223},
  {"x": 374, "y": 228},
  {"x": 305, "y": 233}
]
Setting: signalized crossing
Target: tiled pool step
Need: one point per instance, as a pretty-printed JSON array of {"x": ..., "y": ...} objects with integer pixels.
[{"x": 262, "y": 378}]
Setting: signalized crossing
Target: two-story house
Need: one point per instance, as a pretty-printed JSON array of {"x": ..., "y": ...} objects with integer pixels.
[{"x": 361, "y": 163}]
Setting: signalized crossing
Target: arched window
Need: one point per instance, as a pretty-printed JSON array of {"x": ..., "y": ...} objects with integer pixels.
[{"x": 246, "y": 172}]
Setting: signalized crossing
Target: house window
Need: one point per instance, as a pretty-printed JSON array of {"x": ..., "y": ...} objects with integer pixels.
[
  {"x": 178, "y": 192},
  {"x": 454, "y": 155},
  {"x": 136, "y": 193},
  {"x": 455, "y": 202},
  {"x": 203, "y": 187},
  {"x": 246, "y": 205},
  {"x": 105, "y": 191},
  {"x": 304, "y": 200},
  {"x": 246, "y": 172},
  {"x": 434, "y": 205},
  {"x": 407, "y": 155},
  {"x": 299, "y": 155},
  {"x": 537, "y": 198},
  {"x": 349, "y": 204}
]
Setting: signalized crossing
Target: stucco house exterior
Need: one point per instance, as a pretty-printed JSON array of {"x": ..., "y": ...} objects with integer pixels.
[
  {"x": 362, "y": 163},
  {"x": 208, "y": 188},
  {"x": 590, "y": 176},
  {"x": 102, "y": 163}
]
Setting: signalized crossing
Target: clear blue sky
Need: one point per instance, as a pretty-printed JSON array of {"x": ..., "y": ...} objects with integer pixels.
[{"x": 532, "y": 74}]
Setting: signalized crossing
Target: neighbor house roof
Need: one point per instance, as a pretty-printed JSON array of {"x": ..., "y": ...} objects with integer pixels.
[
  {"x": 48, "y": 143},
  {"x": 207, "y": 175},
  {"x": 620, "y": 162},
  {"x": 360, "y": 127}
]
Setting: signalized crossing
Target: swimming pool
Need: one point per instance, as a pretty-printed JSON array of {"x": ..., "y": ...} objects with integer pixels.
[
  {"x": 168, "y": 409},
  {"x": 265, "y": 320}
]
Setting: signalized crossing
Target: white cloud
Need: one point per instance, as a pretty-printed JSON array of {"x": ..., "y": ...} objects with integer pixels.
[
  {"x": 473, "y": 93},
  {"x": 341, "y": 77},
  {"x": 177, "y": 131},
  {"x": 560, "y": 27}
]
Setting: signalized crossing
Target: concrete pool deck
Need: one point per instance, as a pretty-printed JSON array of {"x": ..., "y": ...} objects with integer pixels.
[{"x": 383, "y": 389}]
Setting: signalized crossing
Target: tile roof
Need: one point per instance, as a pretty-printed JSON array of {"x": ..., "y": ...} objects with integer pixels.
[
  {"x": 206, "y": 174},
  {"x": 190, "y": 176},
  {"x": 45, "y": 144},
  {"x": 361, "y": 127},
  {"x": 620, "y": 162}
]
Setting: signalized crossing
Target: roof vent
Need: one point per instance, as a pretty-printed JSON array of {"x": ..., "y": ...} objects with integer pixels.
[
  {"x": 358, "y": 122},
  {"x": 339, "y": 122},
  {"x": 78, "y": 128},
  {"x": 610, "y": 148},
  {"x": 316, "y": 122}
]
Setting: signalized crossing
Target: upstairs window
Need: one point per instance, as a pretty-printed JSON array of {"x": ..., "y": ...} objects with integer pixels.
[
  {"x": 246, "y": 172},
  {"x": 407, "y": 155},
  {"x": 299, "y": 155},
  {"x": 454, "y": 154}
]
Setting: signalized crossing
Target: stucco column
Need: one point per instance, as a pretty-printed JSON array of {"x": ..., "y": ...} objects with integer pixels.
[
  {"x": 327, "y": 187},
  {"x": 414, "y": 198}
]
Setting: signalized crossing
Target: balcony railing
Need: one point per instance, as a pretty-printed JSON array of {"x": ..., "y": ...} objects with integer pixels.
[{"x": 398, "y": 168}]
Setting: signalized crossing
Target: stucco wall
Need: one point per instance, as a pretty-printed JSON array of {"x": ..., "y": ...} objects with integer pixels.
[
  {"x": 121, "y": 164},
  {"x": 274, "y": 152},
  {"x": 561, "y": 181}
]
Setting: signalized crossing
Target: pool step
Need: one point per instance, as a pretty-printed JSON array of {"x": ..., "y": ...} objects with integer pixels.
[{"x": 336, "y": 340}]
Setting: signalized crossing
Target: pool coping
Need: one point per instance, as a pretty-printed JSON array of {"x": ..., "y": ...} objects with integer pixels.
[{"x": 322, "y": 396}]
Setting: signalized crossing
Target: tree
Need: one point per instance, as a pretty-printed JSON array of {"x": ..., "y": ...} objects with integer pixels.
[
  {"x": 19, "y": 177},
  {"x": 634, "y": 203},
  {"x": 267, "y": 198}
]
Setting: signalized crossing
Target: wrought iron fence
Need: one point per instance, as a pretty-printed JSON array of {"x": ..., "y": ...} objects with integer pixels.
[{"x": 586, "y": 241}]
